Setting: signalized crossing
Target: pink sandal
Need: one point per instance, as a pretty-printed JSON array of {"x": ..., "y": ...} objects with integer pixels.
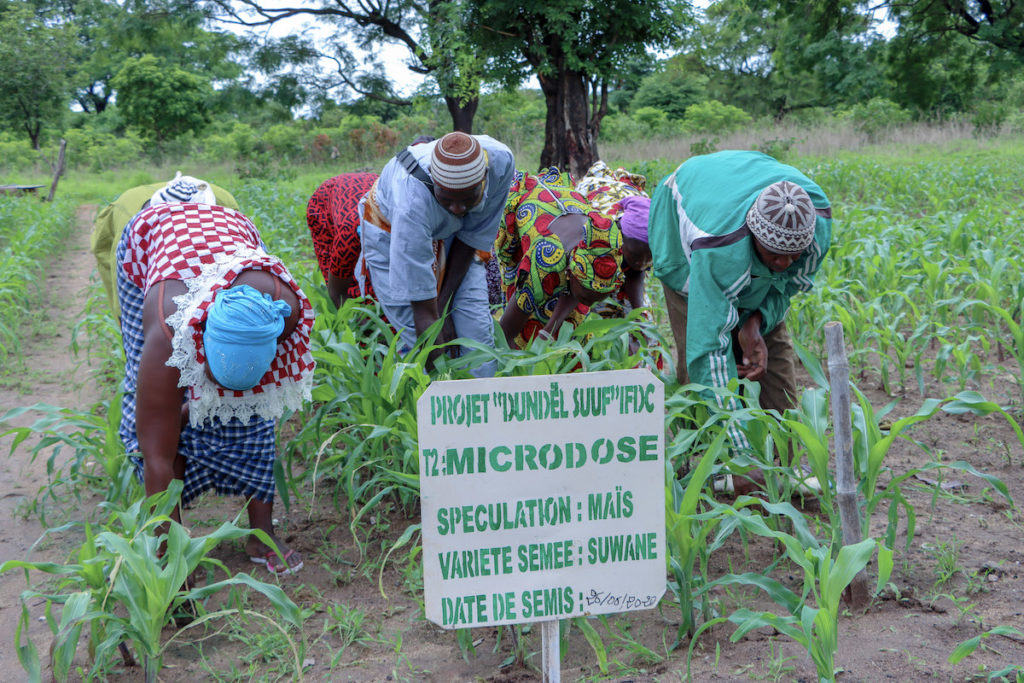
[{"x": 270, "y": 559}]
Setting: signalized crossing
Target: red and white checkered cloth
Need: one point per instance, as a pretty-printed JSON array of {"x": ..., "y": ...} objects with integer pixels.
[{"x": 185, "y": 241}]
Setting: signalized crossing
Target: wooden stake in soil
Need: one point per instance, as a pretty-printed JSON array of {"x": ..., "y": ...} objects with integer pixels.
[
  {"x": 58, "y": 169},
  {"x": 846, "y": 484},
  {"x": 550, "y": 653}
]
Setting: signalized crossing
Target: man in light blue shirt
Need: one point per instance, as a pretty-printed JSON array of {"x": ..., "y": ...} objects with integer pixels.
[{"x": 450, "y": 193}]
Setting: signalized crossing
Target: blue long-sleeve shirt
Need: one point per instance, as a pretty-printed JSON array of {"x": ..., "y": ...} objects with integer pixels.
[{"x": 417, "y": 220}]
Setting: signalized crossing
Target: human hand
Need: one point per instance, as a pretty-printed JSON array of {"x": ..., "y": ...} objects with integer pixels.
[
  {"x": 754, "y": 363},
  {"x": 447, "y": 333}
]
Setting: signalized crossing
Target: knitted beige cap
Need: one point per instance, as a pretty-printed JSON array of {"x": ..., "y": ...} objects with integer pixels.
[{"x": 457, "y": 162}]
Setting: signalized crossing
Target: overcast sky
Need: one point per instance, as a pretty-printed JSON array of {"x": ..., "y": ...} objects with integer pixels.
[{"x": 392, "y": 54}]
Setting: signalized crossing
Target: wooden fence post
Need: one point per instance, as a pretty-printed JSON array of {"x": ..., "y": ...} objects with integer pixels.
[
  {"x": 846, "y": 483},
  {"x": 58, "y": 169}
]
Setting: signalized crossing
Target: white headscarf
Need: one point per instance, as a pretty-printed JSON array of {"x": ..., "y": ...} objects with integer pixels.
[{"x": 182, "y": 189}]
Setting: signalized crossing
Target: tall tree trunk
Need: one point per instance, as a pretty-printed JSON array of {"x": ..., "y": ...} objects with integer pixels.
[
  {"x": 569, "y": 140},
  {"x": 462, "y": 113},
  {"x": 35, "y": 131}
]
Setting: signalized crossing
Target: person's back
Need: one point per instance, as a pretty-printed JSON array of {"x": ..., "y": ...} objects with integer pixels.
[
  {"x": 704, "y": 204},
  {"x": 111, "y": 221},
  {"x": 216, "y": 339}
]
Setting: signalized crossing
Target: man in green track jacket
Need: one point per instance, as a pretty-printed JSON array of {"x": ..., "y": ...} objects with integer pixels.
[{"x": 733, "y": 236}]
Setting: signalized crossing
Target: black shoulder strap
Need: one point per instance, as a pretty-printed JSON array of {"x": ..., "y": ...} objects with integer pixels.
[
  {"x": 409, "y": 163},
  {"x": 712, "y": 241}
]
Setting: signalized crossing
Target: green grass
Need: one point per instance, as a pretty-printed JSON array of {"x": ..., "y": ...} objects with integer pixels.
[{"x": 30, "y": 232}]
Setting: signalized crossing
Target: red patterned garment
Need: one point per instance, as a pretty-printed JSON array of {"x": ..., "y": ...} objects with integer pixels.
[
  {"x": 333, "y": 218},
  {"x": 604, "y": 188},
  {"x": 206, "y": 247}
]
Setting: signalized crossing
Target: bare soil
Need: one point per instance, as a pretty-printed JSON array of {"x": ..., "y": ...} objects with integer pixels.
[{"x": 906, "y": 635}]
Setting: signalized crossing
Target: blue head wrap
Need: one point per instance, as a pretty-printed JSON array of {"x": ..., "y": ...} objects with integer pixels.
[{"x": 240, "y": 340}]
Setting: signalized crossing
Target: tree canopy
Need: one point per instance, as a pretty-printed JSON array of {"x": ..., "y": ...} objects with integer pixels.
[
  {"x": 35, "y": 60},
  {"x": 575, "y": 48},
  {"x": 167, "y": 68},
  {"x": 160, "y": 99}
]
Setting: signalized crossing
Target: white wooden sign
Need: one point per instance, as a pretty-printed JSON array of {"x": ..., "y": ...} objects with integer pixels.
[{"x": 542, "y": 497}]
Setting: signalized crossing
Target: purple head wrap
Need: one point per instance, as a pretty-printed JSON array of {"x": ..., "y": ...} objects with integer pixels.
[{"x": 633, "y": 221}]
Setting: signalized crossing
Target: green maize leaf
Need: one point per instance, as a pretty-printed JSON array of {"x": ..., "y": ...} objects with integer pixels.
[
  {"x": 968, "y": 646},
  {"x": 756, "y": 524},
  {"x": 28, "y": 656},
  {"x": 776, "y": 591},
  {"x": 746, "y": 621},
  {"x": 283, "y": 605},
  {"x": 692, "y": 493},
  {"x": 46, "y": 567},
  {"x": 812, "y": 364},
  {"x": 809, "y": 619},
  {"x": 799, "y": 522},
  {"x": 410, "y": 478},
  {"x": 65, "y": 641},
  {"x": 406, "y": 536},
  {"x": 885, "y": 567},
  {"x": 879, "y": 448},
  {"x": 850, "y": 561},
  {"x": 959, "y": 466},
  {"x": 596, "y": 644},
  {"x": 975, "y": 403}
]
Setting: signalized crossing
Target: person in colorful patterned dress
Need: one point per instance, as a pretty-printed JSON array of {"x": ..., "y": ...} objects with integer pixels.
[
  {"x": 558, "y": 256},
  {"x": 216, "y": 340},
  {"x": 622, "y": 196},
  {"x": 333, "y": 219},
  {"x": 110, "y": 222}
]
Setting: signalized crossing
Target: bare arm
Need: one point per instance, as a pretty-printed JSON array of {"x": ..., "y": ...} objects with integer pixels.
[
  {"x": 424, "y": 314},
  {"x": 634, "y": 287},
  {"x": 460, "y": 256},
  {"x": 567, "y": 303},
  {"x": 158, "y": 397},
  {"x": 337, "y": 288},
  {"x": 512, "y": 321}
]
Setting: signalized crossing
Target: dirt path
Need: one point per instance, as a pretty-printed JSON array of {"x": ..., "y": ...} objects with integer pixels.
[{"x": 50, "y": 375}]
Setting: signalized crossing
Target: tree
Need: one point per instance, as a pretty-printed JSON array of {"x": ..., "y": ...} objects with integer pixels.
[
  {"x": 108, "y": 32},
  {"x": 34, "y": 62},
  {"x": 432, "y": 30},
  {"x": 776, "y": 56},
  {"x": 998, "y": 23},
  {"x": 160, "y": 99},
  {"x": 672, "y": 89},
  {"x": 936, "y": 73},
  {"x": 575, "y": 48}
]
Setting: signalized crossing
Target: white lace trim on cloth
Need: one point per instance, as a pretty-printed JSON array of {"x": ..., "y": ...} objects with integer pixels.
[{"x": 206, "y": 400}]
